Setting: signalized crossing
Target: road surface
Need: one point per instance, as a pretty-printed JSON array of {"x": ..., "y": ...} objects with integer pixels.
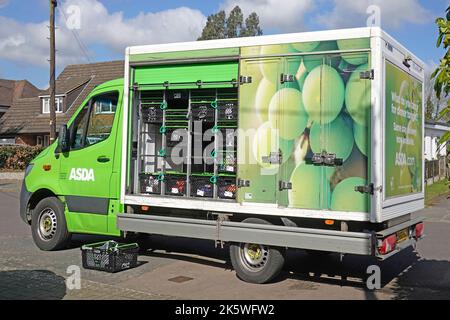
[{"x": 190, "y": 269}]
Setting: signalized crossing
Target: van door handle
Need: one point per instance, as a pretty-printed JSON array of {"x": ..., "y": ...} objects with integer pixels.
[{"x": 103, "y": 159}]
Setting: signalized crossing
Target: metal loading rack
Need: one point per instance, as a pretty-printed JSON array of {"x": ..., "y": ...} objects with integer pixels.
[{"x": 187, "y": 144}]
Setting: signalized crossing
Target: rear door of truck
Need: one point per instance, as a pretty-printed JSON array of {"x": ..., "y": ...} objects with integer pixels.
[
  {"x": 344, "y": 131},
  {"x": 403, "y": 118}
]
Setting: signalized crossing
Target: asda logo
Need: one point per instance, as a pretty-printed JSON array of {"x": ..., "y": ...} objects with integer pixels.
[{"x": 82, "y": 174}]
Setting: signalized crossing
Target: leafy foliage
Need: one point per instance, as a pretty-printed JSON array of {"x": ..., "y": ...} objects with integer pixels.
[
  {"x": 234, "y": 22},
  {"x": 17, "y": 157},
  {"x": 442, "y": 73},
  {"x": 429, "y": 111},
  {"x": 215, "y": 27},
  {"x": 252, "y": 27},
  {"x": 219, "y": 26}
]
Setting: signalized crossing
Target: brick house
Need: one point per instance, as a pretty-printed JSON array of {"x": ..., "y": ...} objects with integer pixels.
[
  {"x": 11, "y": 90},
  {"x": 27, "y": 120}
]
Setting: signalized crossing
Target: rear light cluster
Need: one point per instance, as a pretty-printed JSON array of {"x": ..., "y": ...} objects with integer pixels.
[
  {"x": 388, "y": 244},
  {"x": 419, "y": 230}
]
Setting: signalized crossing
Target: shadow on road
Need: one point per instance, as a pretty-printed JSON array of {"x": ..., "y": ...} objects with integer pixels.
[
  {"x": 190, "y": 250},
  {"x": 424, "y": 280},
  {"x": 31, "y": 285},
  {"x": 352, "y": 271},
  {"x": 405, "y": 272}
]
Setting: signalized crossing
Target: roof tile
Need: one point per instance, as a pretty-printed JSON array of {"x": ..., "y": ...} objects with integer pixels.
[{"x": 25, "y": 114}]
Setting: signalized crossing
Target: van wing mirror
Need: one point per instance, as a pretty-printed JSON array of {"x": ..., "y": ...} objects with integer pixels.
[{"x": 64, "y": 139}]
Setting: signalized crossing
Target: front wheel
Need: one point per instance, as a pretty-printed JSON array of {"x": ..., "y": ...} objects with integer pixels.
[
  {"x": 256, "y": 263},
  {"x": 48, "y": 225}
]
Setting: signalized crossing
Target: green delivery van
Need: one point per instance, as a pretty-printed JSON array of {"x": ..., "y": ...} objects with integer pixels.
[{"x": 311, "y": 141}]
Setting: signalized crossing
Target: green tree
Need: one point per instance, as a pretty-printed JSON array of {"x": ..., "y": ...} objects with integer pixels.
[
  {"x": 252, "y": 27},
  {"x": 219, "y": 26},
  {"x": 442, "y": 73},
  {"x": 215, "y": 27},
  {"x": 234, "y": 22}
]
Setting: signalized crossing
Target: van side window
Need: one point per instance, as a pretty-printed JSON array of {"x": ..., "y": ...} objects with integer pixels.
[
  {"x": 78, "y": 128},
  {"x": 101, "y": 117}
]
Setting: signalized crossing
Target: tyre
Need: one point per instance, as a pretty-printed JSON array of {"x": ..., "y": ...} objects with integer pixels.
[
  {"x": 256, "y": 263},
  {"x": 48, "y": 225}
]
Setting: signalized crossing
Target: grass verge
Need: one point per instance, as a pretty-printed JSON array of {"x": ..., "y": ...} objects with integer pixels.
[{"x": 436, "y": 190}]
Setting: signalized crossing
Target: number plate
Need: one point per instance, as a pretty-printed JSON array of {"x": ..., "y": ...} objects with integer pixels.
[{"x": 402, "y": 235}]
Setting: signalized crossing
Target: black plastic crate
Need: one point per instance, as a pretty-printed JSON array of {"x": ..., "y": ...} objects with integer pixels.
[
  {"x": 227, "y": 111},
  {"x": 150, "y": 184},
  {"x": 227, "y": 138},
  {"x": 227, "y": 162},
  {"x": 202, "y": 187},
  {"x": 177, "y": 117},
  {"x": 174, "y": 136},
  {"x": 203, "y": 112},
  {"x": 109, "y": 256},
  {"x": 227, "y": 188},
  {"x": 202, "y": 168},
  {"x": 152, "y": 114},
  {"x": 175, "y": 185}
]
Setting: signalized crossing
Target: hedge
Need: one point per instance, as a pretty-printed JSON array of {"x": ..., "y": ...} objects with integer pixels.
[{"x": 17, "y": 157}]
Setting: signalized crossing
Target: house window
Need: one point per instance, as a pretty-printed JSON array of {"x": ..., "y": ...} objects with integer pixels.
[
  {"x": 104, "y": 105},
  {"x": 39, "y": 141},
  {"x": 46, "y": 141},
  {"x": 46, "y": 105},
  {"x": 6, "y": 141}
]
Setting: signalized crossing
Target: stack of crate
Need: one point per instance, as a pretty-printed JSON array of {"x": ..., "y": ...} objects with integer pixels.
[{"x": 204, "y": 122}]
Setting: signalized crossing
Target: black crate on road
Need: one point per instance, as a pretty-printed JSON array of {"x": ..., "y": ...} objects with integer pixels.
[{"x": 109, "y": 256}]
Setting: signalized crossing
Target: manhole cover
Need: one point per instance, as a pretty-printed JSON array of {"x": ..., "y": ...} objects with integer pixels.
[{"x": 180, "y": 279}]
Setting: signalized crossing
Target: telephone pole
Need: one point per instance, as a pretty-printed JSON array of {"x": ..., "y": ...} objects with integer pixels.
[{"x": 53, "y": 5}]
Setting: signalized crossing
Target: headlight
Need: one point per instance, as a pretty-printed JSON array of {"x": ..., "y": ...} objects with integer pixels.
[{"x": 28, "y": 169}]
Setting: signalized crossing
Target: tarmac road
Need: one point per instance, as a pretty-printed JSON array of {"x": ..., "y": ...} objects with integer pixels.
[{"x": 191, "y": 269}]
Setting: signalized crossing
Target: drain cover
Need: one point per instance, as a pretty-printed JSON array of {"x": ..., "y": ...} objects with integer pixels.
[{"x": 180, "y": 279}]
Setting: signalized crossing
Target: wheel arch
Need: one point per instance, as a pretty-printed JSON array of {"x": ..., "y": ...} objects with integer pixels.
[{"x": 35, "y": 198}]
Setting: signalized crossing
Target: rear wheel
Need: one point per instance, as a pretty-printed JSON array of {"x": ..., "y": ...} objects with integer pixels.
[
  {"x": 256, "y": 263},
  {"x": 48, "y": 225}
]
